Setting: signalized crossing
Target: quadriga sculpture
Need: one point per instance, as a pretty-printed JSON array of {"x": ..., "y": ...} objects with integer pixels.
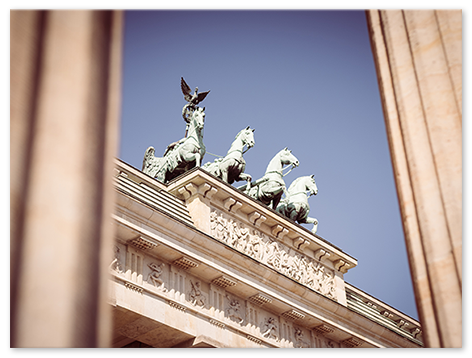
[
  {"x": 231, "y": 167},
  {"x": 295, "y": 205},
  {"x": 180, "y": 156},
  {"x": 271, "y": 186}
]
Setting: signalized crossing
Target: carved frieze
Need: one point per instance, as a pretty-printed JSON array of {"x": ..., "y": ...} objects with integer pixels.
[
  {"x": 116, "y": 263},
  {"x": 276, "y": 255},
  {"x": 300, "y": 341},
  {"x": 234, "y": 309},
  {"x": 269, "y": 328},
  {"x": 183, "y": 290},
  {"x": 196, "y": 296},
  {"x": 155, "y": 275},
  {"x": 134, "y": 265}
]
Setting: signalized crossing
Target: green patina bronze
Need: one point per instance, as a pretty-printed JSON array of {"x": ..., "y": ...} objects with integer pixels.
[
  {"x": 231, "y": 167},
  {"x": 295, "y": 204},
  {"x": 271, "y": 186},
  {"x": 188, "y": 153},
  {"x": 193, "y": 99},
  {"x": 179, "y": 156}
]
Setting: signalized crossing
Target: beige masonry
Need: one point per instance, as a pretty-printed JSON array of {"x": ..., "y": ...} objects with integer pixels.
[
  {"x": 418, "y": 55},
  {"x": 200, "y": 264},
  {"x": 65, "y": 89}
]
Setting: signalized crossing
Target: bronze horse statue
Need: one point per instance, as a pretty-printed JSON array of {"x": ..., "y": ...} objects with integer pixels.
[
  {"x": 180, "y": 156},
  {"x": 231, "y": 167},
  {"x": 271, "y": 186},
  {"x": 295, "y": 205}
]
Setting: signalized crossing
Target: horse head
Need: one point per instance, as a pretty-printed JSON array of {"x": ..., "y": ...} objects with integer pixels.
[
  {"x": 198, "y": 118},
  {"x": 286, "y": 157},
  {"x": 311, "y": 185},
  {"x": 247, "y": 137}
]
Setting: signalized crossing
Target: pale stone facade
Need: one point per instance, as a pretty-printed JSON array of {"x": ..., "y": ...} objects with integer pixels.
[
  {"x": 418, "y": 55},
  {"x": 65, "y": 99},
  {"x": 200, "y": 264}
]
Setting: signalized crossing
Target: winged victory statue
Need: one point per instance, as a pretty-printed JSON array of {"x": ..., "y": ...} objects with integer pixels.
[{"x": 193, "y": 100}]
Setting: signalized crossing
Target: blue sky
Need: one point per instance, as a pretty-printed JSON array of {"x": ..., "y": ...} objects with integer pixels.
[{"x": 304, "y": 80}]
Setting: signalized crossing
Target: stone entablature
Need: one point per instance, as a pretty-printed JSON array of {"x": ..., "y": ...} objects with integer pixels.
[
  {"x": 136, "y": 274},
  {"x": 229, "y": 215},
  {"x": 254, "y": 243},
  {"x": 172, "y": 278},
  {"x": 383, "y": 314}
]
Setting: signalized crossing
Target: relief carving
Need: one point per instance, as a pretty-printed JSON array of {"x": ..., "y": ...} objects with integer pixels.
[
  {"x": 155, "y": 275},
  {"x": 196, "y": 296},
  {"x": 257, "y": 245},
  {"x": 234, "y": 310},
  {"x": 299, "y": 342},
  {"x": 283, "y": 259},
  {"x": 116, "y": 263},
  {"x": 269, "y": 328}
]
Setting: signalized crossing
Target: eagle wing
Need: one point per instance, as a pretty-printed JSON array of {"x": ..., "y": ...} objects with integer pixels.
[
  {"x": 201, "y": 96},
  {"x": 186, "y": 90}
]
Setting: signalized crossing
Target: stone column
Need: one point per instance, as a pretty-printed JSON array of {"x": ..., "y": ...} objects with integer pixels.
[
  {"x": 65, "y": 97},
  {"x": 418, "y": 56}
]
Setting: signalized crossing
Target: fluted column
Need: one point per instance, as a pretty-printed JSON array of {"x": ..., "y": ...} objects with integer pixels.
[
  {"x": 65, "y": 94},
  {"x": 418, "y": 56}
]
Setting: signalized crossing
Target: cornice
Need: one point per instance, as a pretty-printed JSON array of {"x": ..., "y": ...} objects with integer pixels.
[
  {"x": 227, "y": 198},
  {"x": 162, "y": 235}
]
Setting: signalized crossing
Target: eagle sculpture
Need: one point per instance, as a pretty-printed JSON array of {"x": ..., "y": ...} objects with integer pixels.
[{"x": 192, "y": 98}]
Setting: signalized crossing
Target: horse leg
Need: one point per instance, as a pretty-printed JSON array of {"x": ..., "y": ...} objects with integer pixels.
[
  {"x": 246, "y": 177},
  {"x": 313, "y": 221},
  {"x": 224, "y": 174},
  {"x": 276, "y": 201},
  {"x": 198, "y": 158},
  {"x": 192, "y": 157},
  {"x": 233, "y": 171},
  {"x": 258, "y": 193},
  {"x": 277, "y": 196},
  {"x": 294, "y": 214}
]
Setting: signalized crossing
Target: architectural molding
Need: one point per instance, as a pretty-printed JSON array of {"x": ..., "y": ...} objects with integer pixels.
[
  {"x": 253, "y": 214},
  {"x": 264, "y": 308}
]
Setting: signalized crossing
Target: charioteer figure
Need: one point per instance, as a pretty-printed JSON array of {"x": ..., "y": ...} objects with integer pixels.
[{"x": 187, "y": 152}]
